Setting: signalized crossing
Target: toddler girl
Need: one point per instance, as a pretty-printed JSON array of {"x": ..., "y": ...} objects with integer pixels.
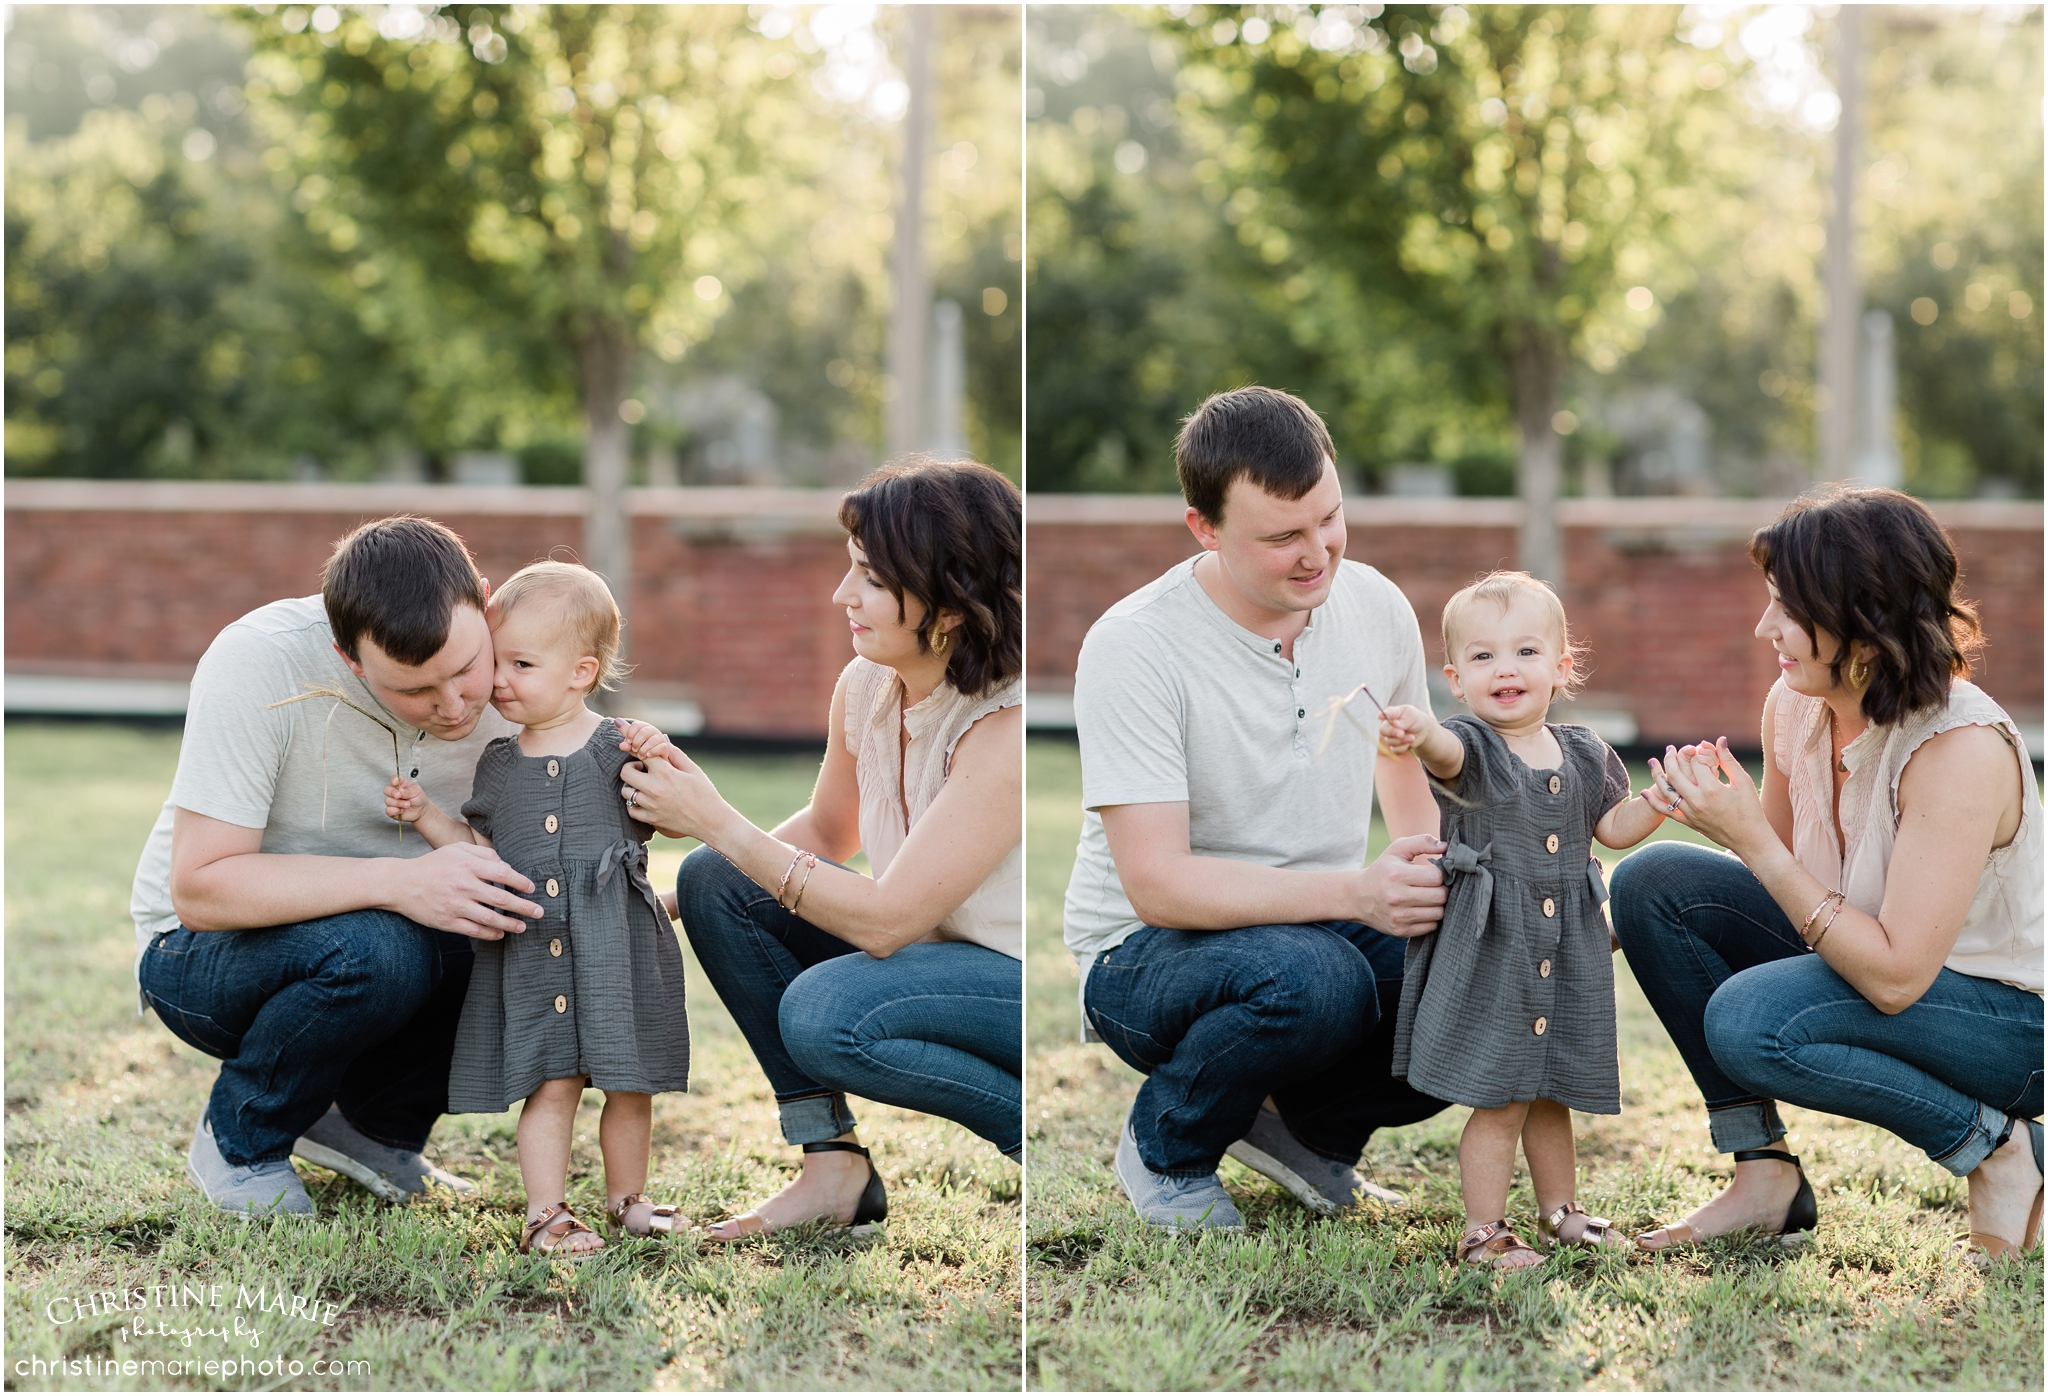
[
  {"x": 592, "y": 993},
  {"x": 1508, "y": 1006}
]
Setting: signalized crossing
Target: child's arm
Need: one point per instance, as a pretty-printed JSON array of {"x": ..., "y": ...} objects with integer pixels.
[
  {"x": 1628, "y": 823},
  {"x": 1405, "y": 728},
  {"x": 405, "y": 801}
]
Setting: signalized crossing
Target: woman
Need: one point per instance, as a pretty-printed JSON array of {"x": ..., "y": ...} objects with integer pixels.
[
  {"x": 906, "y": 987},
  {"x": 1880, "y": 955}
]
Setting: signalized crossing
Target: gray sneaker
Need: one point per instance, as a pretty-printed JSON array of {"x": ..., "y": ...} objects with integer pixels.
[
  {"x": 1322, "y": 1185},
  {"x": 269, "y": 1188},
  {"x": 396, "y": 1175},
  {"x": 1172, "y": 1202}
]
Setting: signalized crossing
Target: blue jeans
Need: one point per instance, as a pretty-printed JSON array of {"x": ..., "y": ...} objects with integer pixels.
[
  {"x": 356, "y": 1010},
  {"x": 1759, "y": 1018},
  {"x": 935, "y": 1027},
  {"x": 1219, "y": 1020}
]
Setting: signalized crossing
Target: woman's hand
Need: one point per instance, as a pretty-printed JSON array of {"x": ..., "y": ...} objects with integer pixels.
[
  {"x": 676, "y": 797},
  {"x": 1728, "y": 811}
]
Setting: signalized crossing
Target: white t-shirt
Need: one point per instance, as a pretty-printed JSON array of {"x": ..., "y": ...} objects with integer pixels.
[
  {"x": 1176, "y": 702},
  {"x": 310, "y": 775}
]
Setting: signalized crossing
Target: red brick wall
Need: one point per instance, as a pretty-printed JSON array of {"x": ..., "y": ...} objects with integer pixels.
[
  {"x": 1662, "y": 591},
  {"x": 731, "y": 603}
]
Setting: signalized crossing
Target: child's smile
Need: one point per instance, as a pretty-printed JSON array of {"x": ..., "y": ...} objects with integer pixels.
[{"x": 1509, "y": 664}]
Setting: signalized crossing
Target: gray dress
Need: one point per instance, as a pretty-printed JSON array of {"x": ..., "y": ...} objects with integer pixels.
[
  {"x": 1512, "y": 997},
  {"x": 594, "y": 988}
]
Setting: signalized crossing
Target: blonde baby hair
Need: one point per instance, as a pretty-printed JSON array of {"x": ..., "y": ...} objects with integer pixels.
[
  {"x": 1500, "y": 588},
  {"x": 581, "y": 602}
]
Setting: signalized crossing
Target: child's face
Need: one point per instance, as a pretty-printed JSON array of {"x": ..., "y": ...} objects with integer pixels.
[
  {"x": 541, "y": 673},
  {"x": 1509, "y": 663}
]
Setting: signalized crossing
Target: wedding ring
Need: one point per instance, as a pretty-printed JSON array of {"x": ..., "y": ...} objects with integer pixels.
[{"x": 631, "y": 793}]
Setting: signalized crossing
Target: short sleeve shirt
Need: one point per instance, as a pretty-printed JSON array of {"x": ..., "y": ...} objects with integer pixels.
[
  {"x": 1175, "y": 702},
  {"x": 310, "y": 774}
]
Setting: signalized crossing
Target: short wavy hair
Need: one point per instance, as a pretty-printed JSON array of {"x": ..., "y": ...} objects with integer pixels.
[
  {"x": 583, "y": 608},
  {"x": 950, "y": 533},
  {"x": 1872, "y": 565}
]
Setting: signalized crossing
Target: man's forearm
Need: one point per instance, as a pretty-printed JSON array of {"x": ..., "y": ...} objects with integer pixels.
[
  {"x": 247, "y": 891},
  {"x": 1196, "y": 893}
]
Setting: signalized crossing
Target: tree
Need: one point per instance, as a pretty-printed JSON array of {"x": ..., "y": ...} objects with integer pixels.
[
  {"x": 1505, "y": 175},
  {"x": 570, "y": 185}
]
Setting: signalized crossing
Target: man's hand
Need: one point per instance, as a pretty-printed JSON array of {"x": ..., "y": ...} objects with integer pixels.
[
  {"x": 456, "y": 889},
  {"x": 1404, "y": 891}
]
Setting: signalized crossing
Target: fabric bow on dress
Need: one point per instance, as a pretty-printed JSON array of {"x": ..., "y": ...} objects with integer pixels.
[
  {"x": 1463, "y": 859},
  {"x": 630, "y": 855}
]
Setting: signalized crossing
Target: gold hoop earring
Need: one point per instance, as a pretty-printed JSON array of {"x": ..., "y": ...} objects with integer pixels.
[
  {"x": 940, "y": 642},
  {"x": 1859, "y": 672}
]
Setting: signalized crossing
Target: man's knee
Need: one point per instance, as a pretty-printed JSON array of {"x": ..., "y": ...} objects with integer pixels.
[{"x": 379, "y": 962}]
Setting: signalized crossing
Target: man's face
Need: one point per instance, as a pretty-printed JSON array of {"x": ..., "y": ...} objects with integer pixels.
[
  {"x": 1278, "y": 555},
  {"x": 445, "y": 696}
]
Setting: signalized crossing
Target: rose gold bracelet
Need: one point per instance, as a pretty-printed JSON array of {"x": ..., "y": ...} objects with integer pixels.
[
  {"x": 1831, "y": 922},
  {"x": 783, "y": 885},
  {"x": 810, "y": 866},
  {"x": 1815, "y": 915}
]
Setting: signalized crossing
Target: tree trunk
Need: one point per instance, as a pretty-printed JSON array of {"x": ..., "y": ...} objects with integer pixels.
[
  {"x": 605, "y": 359},
  {"x": 1538, "y": 366}
]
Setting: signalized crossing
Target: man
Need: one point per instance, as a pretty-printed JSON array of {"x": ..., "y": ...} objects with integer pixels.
[
  {"x": 1233, "y": 943},
  {"x": 284, "y": 925}
]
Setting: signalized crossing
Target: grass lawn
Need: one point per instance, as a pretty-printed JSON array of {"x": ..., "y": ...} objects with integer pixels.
[
  {"x": 1371, "y": 1301},
  {"x": 100, "y": 1106}
]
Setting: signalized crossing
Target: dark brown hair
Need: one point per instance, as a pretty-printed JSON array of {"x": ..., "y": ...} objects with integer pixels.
[
  {"x": 398, "y": 580},
  {"x": 1271, "y": 438},
  {"x": 1872, "y": 565},
  {"x": 950, "y": 533}
]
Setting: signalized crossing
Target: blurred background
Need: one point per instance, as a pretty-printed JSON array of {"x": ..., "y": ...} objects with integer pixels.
[
  {"x": 1589, "y": 290},
  {"x": 1434, "y": 221},
  {"x": 649, "y": 283}
]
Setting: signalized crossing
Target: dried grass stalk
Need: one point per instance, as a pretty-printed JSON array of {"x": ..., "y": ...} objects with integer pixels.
[{"x": 341, "y": 699}]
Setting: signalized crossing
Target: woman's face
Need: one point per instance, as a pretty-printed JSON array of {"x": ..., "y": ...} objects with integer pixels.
[
  {"x": 1804, "y": 662},
  {"x": 879, "y": 633}
]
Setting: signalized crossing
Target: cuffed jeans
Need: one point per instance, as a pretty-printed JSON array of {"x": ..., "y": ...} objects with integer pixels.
[
  {"x": 1760, "y": 1018},
  {"x": 357, "y": 1010},
  {"x": 1219, "y": 1020},
  {"x": 934, "y": 1027}
]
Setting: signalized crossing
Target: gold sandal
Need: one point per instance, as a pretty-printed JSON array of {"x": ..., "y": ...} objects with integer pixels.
[
  {"x": 549, "y": 1233},
  {"x": 662, "y": 1220},
  {"x": 1495, "y": 1243},
  {"x": 1599, "y": 1234}
]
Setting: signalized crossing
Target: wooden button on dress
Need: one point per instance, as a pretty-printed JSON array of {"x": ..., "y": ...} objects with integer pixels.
[
  {"x": 1542, "y": 970},
  {"x": 554, "y": 768},
  {"x": 1555, "y": 785},
  {"x": 1549, "y": 907},
  {"x": 1550, "y": 844},
  {"x": 551, "y": 824},
  {"x": 555, "y": 949},
  {"x": 554, "y": 888},
  {"x": 562, "y": 1006},
  {"x": 1542, "y": 1026}
]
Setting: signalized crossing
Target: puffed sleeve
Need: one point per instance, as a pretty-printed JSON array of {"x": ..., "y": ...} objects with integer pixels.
[
  {"x": 1614, "y": 787},
  {"x": 1486, "y": 777},
  {"x": 484, "y": 790},
  {"x": 611, "y": 762}
]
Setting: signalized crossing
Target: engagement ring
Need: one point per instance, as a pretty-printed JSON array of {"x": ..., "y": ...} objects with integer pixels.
[{"x": 630, "y": 793}]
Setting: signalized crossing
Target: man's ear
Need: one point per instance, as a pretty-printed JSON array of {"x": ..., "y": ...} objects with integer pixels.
[
  {"x": 1203, "y": 529},
  {"x": 487, "y": 591},
  {"x": 353, "y": 667}
]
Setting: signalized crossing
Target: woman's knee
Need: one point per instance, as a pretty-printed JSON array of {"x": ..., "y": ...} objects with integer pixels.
[
  {"x": 709, "y": 892},
  {"x": 820, "y": 1014},
  {"x": 1645, "y": 885},
  {"x": 1753, "y": 1020}
]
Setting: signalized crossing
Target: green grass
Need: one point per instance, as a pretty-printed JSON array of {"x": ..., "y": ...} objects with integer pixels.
[
  {"x": 99, "y": 1111},
  {"x": 1370, "y": 1300}
]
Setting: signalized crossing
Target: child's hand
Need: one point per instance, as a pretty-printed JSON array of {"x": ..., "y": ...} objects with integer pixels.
[
  {"x": 1404, "y": 727},
  {"x": 404, "y": 800},
  {"x": 643, "y": 740}
]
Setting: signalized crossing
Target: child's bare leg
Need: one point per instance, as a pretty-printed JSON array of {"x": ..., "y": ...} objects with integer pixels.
[
  {"x": 1486, "y": 1165},
  {"x": 545, "y": 1126},
  {"x": 623, "y": 1132},
  {"x": 1554, "y": 1166}
]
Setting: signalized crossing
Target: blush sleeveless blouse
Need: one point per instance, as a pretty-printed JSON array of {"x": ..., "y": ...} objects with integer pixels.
[
  {"x": 993, "y": 914},
  {"x": 2001, "y": 936}
]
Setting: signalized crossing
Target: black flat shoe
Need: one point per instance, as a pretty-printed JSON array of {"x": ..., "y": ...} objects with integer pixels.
[
  {"x": 873, "y": 1208},
  {"x": 1804, "y": 1213},
  {"x": 1796, "y": 1230}
]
